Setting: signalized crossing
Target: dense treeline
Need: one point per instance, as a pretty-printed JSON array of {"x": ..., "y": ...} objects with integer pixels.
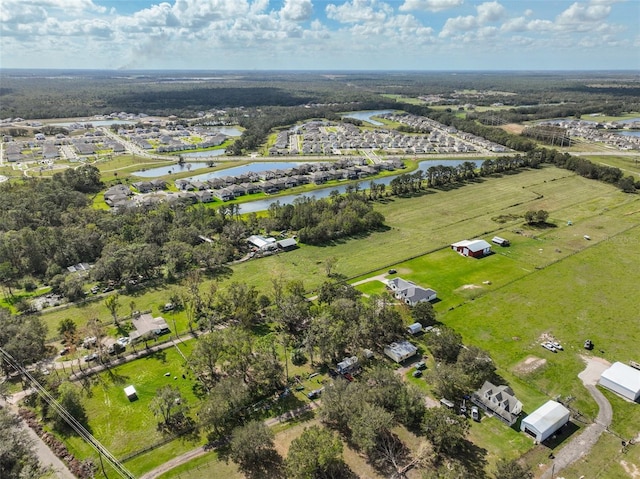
[
  {"x": 48, "y": 225},
  {"x": 31, "y": 94},
  {"x": 327, "y": 219}
]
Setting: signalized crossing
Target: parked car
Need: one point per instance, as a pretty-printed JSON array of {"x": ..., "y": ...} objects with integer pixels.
[
  {"x": 549, "y": 346},
  {"x": 65, "y": 351},
  {"x": 169, "y": 307},
  {"x": 588, "y": 344},
  {"x": 421, "y": 365},
  {"x": 314, "y": 394},
  {"x": 392, "y": 271},
  {"x": 123, "y": 341},
  {"x": 557, "y": 345},
  {"x": 475, "y": 413},
  {"x": 417, "y": 373},
  {"x": 90, "y": 357}
]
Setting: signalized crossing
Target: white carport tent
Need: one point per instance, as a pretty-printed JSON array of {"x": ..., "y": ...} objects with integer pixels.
[
  {"x": 623, "y": 380},
  {"x": 545, "y": 420}
]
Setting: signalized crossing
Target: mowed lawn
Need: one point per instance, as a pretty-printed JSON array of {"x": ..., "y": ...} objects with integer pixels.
[
  {"x": 125, "y": 427},
  {"x": 420, "y": 225},
  {"x": 591, "y": 294}
]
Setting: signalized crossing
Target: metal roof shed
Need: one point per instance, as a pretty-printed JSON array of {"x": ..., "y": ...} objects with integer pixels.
[
  {"x": 401, "y": 350},
  {"x": 414, "y": 328},
  {"x": 131, "y": 393},
  {"x": 623, "y": 380},
  {"x": 545, "y": 420}
]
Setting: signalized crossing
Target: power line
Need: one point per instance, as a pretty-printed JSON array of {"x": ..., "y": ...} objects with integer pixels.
[{"x": 68, "y": 418}]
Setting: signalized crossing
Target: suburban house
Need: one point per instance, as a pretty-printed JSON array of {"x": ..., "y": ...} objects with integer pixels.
[
  {"x": 623, "y": 380},
  {"x": 500, "y": 400},
  {"x": 400, "y": 350},
  {"x": 475, "y": 248},
  {"x": 146, "y": 324},
  {"x": 545, "y": 421},
  {"x": 409, "y": 292}
]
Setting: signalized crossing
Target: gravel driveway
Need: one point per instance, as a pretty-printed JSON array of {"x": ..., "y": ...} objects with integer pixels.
[{"x": 581, "y": 445}]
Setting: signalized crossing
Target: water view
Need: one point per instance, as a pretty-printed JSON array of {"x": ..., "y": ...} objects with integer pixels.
[
  {"x": 204, "y": 154},
  {"x": 250, "y": 167},
  {"x": 261, "y": 205},
  {"x": 366, "y": 115},
  {"x": 629, "y": 133}
]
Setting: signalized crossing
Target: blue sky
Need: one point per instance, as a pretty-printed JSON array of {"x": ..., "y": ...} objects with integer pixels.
[{"x": 321, "y": 34}]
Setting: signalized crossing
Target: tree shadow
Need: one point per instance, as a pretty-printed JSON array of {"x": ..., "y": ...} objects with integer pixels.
[
  {"x": 473, "y": 458},
  {"x": 116, "y": 378},
  {"x": 160, "y": 355}
]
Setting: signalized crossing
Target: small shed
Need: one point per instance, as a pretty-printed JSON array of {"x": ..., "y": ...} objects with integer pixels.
[
  {"x": 400, "y": 350},
  {"x": 414, "y": 328},
  {"x": 131, "y": 393},
  {"x": 288, "y": 244},
  {"x": 500, "y": 241},
  {"x": 545, "y": 421},
  {"x": 623, "y": 380}
]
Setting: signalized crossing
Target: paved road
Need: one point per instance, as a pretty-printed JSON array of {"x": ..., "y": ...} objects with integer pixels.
[
  {"x": 582, "y": 444},
  {"x": 45, "y": 455}
]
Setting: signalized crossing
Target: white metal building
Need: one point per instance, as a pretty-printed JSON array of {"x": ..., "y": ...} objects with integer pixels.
[
  {"x": 545, "y": 420},
  {"x": 623, "y": 380},
  {"x": 400, "y": 350}
]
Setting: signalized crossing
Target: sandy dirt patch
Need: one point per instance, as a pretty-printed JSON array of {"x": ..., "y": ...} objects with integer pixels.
[
  {"x": 529, "y": 365},
  {"x": 467, "y": 287},
  {"x": 513, "y": 128},
  {"x": 595, "y": 367},
  {"x": 630, "y": 469}
]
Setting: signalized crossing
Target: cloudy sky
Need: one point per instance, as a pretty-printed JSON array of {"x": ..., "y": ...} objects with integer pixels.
[{"x": 321, "y": 34}]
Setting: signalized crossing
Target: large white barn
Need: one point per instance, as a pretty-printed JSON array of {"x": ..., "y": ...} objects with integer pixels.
[
  {"x": 623, "y": 380},
  {"x": 545, "y": 421}
]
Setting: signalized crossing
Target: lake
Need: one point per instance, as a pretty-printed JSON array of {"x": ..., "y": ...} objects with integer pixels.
[
  {"x": 261, "y": 205},
  {"x": 204, "y": 154},
  {"x": 366, "y": 115},
  {"x": 628, "y": 133},
  {"x": 250, "y": 167}
]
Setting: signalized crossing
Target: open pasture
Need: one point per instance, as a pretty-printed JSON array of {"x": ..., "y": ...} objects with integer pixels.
[
  {"x": 590, "y": 294},
  {"x": 125, "y": 427},
  {"x": 426, "y": 223}
]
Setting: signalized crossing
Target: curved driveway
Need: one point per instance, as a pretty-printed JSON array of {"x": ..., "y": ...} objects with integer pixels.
[{"x": 581, "y": 445}]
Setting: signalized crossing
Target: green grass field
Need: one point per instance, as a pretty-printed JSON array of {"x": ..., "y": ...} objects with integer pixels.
[
  {"x": 550, "y": 281},
  {"x": 126, "y": 427}
]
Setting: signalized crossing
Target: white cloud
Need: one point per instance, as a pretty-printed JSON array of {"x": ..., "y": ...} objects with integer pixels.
[
  {"x": 456, "y": 25},
  {"x": 297, "y": 10},
  {"x": 430, "y": 5},
  {"x": 582, "y": 12},
  {"x": 487, "y": 12},
  {"x": 490, "y": 12},
  {"x": 356, "y": 11}
]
